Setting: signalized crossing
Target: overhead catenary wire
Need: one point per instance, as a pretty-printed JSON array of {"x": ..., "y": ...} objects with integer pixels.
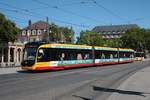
[
  {"x": 108, "y": 10},
  {"x": 37, "y": 15},
  {"x": 67, "y": 11},
  {"x": 138, "y": 19},
  {"x": 67, "y": 4},
  {"x": 17, "y": 19},
  {"x": 8, "y": 5}
]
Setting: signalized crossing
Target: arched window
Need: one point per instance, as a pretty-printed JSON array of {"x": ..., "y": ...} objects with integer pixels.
[
  {"x": 24, "y": 33},
  {"x": 39, "y": 32},
  {"x": 33, "y": 32}
]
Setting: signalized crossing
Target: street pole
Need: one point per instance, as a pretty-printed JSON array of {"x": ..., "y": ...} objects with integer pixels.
[
  {"x": 118, "y": 51},
  {"x": 61, "y": 37},
  {"x": 93, "y": 50},
  {"x": 47, "y": 30},
  {"x": 93, "y": 53}
]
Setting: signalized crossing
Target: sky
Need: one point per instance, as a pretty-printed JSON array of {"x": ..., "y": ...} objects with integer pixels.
[{"x": 79, "y": 14}]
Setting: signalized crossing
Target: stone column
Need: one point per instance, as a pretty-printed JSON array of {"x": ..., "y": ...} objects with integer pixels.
[
  {"x": 0, "y": 54},
  {"x": 15, "y": 53},
  {"x": 21, "y": 54},
  {"x": 2, "y": 63},
  {"x": 9, "y": 56}
]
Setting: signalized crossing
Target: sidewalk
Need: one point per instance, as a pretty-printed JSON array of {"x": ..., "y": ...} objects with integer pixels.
[
  {"x": 136, "y": 87},
  {"x": 9, "y": 70}
]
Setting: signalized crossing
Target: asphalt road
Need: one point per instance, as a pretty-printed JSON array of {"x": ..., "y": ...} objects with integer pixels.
[{"x": 73, "y": 84}]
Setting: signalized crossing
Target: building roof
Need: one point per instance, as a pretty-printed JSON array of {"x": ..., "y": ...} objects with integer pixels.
[
  {"x": 37, "y": 25},
  {"x": 111, "y": 28}
]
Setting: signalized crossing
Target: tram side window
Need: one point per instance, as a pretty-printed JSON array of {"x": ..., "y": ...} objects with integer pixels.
[
  {"x": 43, "y": 55},
  {"x": 83, "y": 54},
  {"x": 121, "y": 55},
  {"x": 58, "y": 55},
  {"x": 125, "y": 55},
  {"x": 115, "y": 55},
  {"x": 107, "y": 54},
  {"x": 79, "y": 56},
  {"x": 103, "y": 56},
  {"x": 98, "y": 54},
  {"x": 111, "y": 56},
  {"x": 72, "y": 55},
  {"x": 63, "y": 54},
  {"x": 87, "y": 56},
  {"x": 139, "y": 54},
  {"x": 131, "y": 55},
  {"x": 54, "y": 54}
]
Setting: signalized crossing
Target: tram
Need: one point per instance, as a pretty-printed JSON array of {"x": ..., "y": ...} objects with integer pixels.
[
  {"x": 43, "y": 56},
  {"x": 139, "y": 55}
]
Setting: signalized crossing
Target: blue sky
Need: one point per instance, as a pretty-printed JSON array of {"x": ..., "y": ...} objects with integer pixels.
[{"x": 80, "y": 14}]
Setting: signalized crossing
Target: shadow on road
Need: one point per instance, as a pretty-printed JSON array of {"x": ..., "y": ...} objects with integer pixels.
[
  {"x": 32, "y": 72},
  {"x": 103, "y": 89},
  {"x": 25, "y": 72},
  {"x": 82, "y": 97}
]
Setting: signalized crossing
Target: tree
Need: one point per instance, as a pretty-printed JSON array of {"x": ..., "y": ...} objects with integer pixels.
[
  {"x": 59, "y": 34},
  {"x": 147, "y": 40},
  {"x": 54, "y": 32},
  {"x": 113, "y": 42},
  {"x": 8, "y": 30},
  {"x": 134, "y": 38},
  {"x": 67, "y": 34},
  {"x": 90, "y": 38}
]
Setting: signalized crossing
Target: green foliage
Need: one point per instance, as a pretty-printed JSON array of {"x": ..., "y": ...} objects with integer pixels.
[
  {"x": 146, "y": 44},
  {"x": 60, "y": 34},
  {"x": 8, "y": 30},
  {"x": 136, "y": 38},
  {"x": 113, "y": 42},
  {"x": 67, "y": 34},
  {"x": 90, "y": 38}
]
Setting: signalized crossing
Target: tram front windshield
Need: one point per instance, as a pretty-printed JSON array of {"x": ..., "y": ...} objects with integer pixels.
[{"x": 29, "y": 54}]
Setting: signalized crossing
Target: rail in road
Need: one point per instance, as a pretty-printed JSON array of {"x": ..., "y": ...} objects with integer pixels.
[{"x": 75, "y": 84}]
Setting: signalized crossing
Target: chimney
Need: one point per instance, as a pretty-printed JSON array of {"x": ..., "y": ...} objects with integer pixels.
[{"x": 29, "y": 23}]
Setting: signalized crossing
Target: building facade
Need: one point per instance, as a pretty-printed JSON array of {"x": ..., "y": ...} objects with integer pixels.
[
  {"x": 113, "y": 31},
  {"x": 33, "y": 32},
  {"x": 11, "y": 54}
]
